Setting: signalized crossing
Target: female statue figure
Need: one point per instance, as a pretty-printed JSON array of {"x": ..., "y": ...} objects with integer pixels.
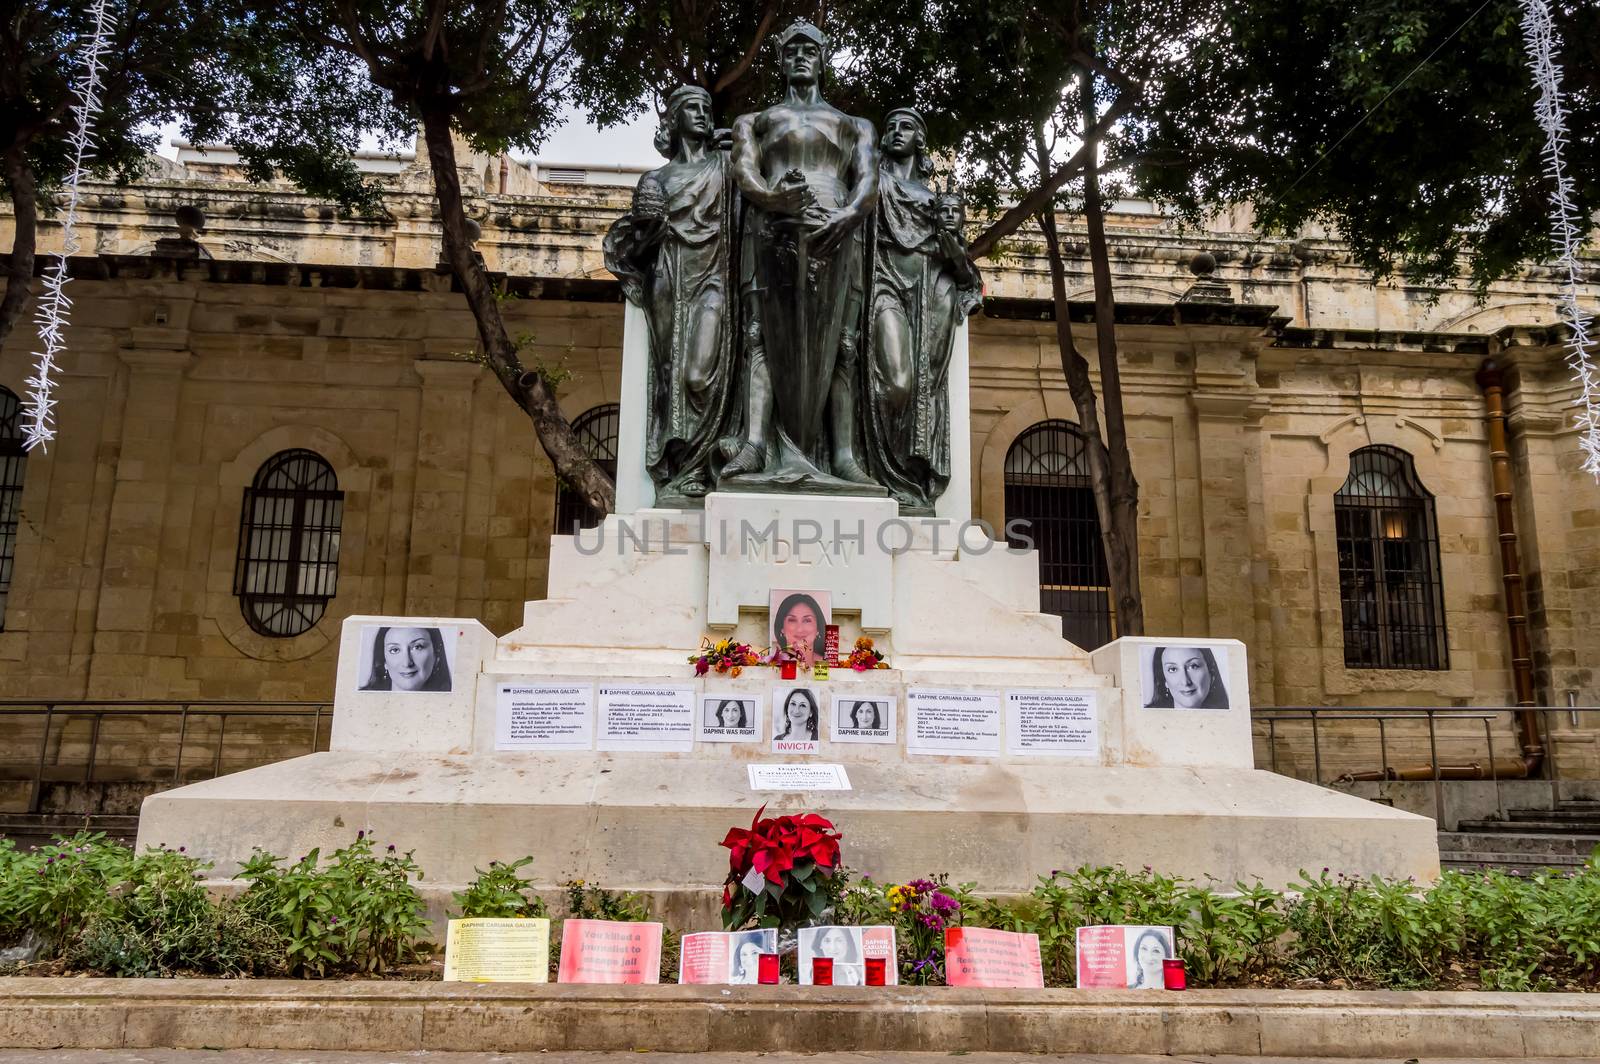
[
  {"x": 672, "y": 254},
  {"x": 923, "y": 287}
]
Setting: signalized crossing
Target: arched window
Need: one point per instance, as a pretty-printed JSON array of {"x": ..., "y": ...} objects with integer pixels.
[
  {"x": 596, "y": 430},
  {"x": 1047, "y": 486},
  {"x": 288, "y": 566},
  {"x": 12, "y": 460},
  {"x": 1389, "y": 586}
]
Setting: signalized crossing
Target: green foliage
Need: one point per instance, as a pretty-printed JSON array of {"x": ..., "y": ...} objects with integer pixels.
[
  {"x": 357, "y": 912},
  {"x": 587, "y": 902},
  {"x": 499, "y": 893},
  {"x": 55, "y": 890},
  {"x": 919, "y": 912},
  {"x": 1343, "y": 115}
]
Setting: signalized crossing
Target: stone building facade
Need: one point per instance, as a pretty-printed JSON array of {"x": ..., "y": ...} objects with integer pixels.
[{"x": 290, "y": 328}]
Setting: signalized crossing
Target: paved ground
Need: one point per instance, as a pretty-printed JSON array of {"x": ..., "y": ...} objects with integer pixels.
[{"x": 256, "y": 1056}]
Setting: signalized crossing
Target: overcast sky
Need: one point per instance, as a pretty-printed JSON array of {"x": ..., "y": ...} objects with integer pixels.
[{"x": 575, "y": 142}]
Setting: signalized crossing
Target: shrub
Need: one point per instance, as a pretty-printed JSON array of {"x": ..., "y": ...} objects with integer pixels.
[
  {"x": 359, "y": 912},
  {"x": 919, "y": 912},
  {"x": 55, "y": 890},
  {"x": 162, "y": 922},
  {"x": 499, "y": 893}
]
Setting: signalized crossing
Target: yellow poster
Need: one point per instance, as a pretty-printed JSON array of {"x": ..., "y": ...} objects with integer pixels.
[{"x": 497, "y": 951}]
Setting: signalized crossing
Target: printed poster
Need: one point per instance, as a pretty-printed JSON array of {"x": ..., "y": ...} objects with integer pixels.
[
  {"x": 1184, "y": 677},
  {"x": 862, "y": 718},
  {"x": 638, "y": 717},
  {"x": 1053, "y": 721},
  {"x": 1123, "y": 956},
  {"x": 981, "y": 957},
  {"x": 729, "y": 718},
  {"x": 544, "y": 716},
  {"x": 727, "y": 957},
  {"x": 848, "y": 947},
  {"x": 952, "y": 722},
  {"x": 795, "y": 720},
  {"x": 609, "y": 951},
  {"x": 497, "y": 951}
]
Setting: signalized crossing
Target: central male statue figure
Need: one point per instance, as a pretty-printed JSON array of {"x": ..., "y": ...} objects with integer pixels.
[{"x": 809, "y": 177}]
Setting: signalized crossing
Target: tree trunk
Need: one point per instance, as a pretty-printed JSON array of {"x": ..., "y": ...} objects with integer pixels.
[
  {"x": 1122, "y": 534},
  {"x": 19, "y": 276},
  {"x": 572, "y": 464},
  {"x": 1076, "y": 369}
]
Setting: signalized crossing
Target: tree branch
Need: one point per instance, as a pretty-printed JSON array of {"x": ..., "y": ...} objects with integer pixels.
[{"x": 738, "y": 70}]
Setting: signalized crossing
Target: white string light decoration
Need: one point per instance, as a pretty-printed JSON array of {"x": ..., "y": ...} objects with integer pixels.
[
  {"x": 38, "y": 413},
  {"x": 1539, "y": 35}
]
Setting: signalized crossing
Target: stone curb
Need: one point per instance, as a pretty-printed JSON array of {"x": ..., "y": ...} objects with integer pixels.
[{"x": 401, "y": 1016}]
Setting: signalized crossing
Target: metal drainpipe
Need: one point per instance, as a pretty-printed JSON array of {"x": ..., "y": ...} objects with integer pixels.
[{"x": 1491, "y": 381}]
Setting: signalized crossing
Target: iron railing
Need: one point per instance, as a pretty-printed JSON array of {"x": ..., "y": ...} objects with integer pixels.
[
  {"x": 1409, "y": 725},
  {"x": 76, "y": 760}
]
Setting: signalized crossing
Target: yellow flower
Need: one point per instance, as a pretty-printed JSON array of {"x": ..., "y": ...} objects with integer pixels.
[{"x": 736, "y": 670}]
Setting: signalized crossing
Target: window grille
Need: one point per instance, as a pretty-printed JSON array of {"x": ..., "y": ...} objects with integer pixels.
[
  {"x": 13, "y": 459},
  {"x": 1047, "y": 486},
  {"x": 596, "y": 430},
  {"x": 1389, "y": 587},
  {"x": 288, "y": 566}
]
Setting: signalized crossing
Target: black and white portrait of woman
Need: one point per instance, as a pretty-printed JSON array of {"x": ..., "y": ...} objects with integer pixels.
[
  {"x": 862, "y": 718},
  {"x": 1184, "y": 677},
  {"x": 744, "y": 954},
  {"x": 729, "y": 718},
  {"x": 404, "y": 658},
  {"x": 794, "y": 716},
  {"x": 1151, "y": 946}
]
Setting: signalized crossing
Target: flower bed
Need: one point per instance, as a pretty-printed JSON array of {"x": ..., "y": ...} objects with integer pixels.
[{"x": 98, "y": 908}]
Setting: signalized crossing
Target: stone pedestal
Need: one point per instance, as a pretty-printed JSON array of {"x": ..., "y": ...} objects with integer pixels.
[{"x": 953, "y": 611}]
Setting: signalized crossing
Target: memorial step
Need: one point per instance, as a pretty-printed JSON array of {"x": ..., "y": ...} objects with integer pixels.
[
  {"x": 37, "y": 829},
  {"x": 1543, "y": 825}
]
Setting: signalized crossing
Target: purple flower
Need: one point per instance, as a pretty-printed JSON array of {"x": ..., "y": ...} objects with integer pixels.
[
  {"x": 183, "y": 849},
  {"x": 360, "y": 835},
  {"x": 921, "y": 886},
  {"x": 391, "y": 847},
  {"x": 944, "y": 903}
]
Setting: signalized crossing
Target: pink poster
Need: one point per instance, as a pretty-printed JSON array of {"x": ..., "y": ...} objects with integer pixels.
[
  {"x": 607, "y": 951},
  {"x": 732, "y": 957},
  {"x": 1124, "y": 956},
  {"x": 848, "y": 948},
  {"x": 979, "y": 956}
]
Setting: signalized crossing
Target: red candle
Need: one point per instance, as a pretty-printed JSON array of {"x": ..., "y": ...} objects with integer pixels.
[
  {"x": 767, "y": 969},
  {"x": 787, "y": 670},
  {"x": 1173, "y": 975},
  {"x": 877, "y": 968},
  {"x": 822, "y": 971}
]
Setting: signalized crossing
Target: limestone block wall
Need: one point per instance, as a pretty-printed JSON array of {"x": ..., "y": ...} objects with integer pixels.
[{"x": 178, "y": 391}]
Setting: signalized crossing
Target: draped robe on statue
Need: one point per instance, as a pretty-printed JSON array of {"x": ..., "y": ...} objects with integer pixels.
[
  {"x": 681, "y": 279},
  {"x": 908, "y": 449}
]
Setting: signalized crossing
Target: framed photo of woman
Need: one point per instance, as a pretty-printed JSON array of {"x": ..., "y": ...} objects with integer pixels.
[
  {"x": 729, "y": 718},
  {"x": 798, "y": 622}
]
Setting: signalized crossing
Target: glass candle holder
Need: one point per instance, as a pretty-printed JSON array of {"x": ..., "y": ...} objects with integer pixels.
[
  {"x": 767, "y": 969},
  {"x": 877, "y": 971},
  {"x": 822, "y": 971},
  {"x": 1173, "y": 975},
  {"x": 787, "y": 670}
]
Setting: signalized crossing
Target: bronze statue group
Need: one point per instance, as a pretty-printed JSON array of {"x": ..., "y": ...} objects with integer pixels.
[{"x": 803, "y": 285}]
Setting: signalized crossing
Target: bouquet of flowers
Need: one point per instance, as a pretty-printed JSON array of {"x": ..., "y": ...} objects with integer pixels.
[
  {"x": 780, "y": 872},
  {"x": 725, "y": 656},
  {"x": 863, "y": 658},
  {"x": 923, "y": 909}
]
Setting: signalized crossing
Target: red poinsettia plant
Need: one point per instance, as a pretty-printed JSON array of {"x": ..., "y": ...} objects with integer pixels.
[{"x": 780, "y": 871}]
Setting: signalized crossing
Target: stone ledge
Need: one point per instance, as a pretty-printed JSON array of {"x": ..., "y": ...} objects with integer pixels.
[{"x": 398, "y": 1016}]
